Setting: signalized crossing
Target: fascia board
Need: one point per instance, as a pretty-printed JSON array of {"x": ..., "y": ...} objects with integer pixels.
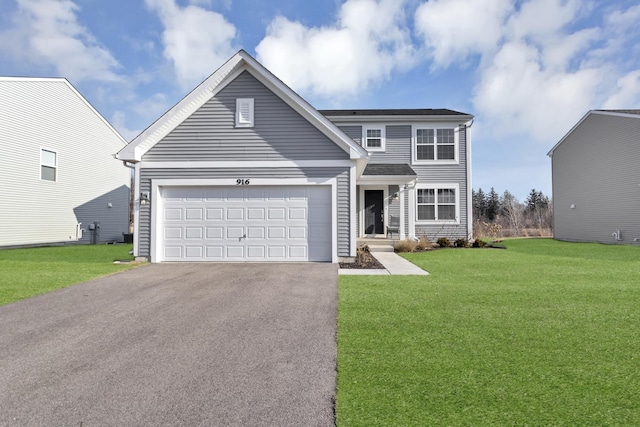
[
  {"x": 93, "y": 110},
  {"x": 179, "y": 112},
  {"x": 550, "y": 153},
  {"x": 356, "y": 120},
  {"x": 600, "y": 112}
]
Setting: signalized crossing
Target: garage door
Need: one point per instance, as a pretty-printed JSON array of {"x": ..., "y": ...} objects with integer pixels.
[{"x": 275, "y": 223}]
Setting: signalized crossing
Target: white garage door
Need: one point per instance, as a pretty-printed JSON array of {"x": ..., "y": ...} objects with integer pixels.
[{"x": 276, "y": 223}]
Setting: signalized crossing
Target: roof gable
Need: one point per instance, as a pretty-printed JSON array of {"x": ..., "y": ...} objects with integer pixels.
[
  {"x": 240, "y": 62},
  {"x": 633, "y": 114}
]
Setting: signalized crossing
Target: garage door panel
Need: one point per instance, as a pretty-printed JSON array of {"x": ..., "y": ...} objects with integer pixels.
[
  {"x": 173, "y": 233},
  {"x": 173, "y": 214},
  {"x": 235, "y": 214},
  {"x": 215, "y": 252},
  {"x": 193, "y": 233},
  {"x": 193, "y": 214},
  {"x": 247, "y": 224}
]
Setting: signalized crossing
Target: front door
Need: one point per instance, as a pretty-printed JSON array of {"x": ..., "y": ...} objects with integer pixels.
[{"x": 373, "y": 211}]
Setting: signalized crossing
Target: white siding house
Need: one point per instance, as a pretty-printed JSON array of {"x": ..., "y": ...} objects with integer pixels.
[{"x": 59, "y": 181}]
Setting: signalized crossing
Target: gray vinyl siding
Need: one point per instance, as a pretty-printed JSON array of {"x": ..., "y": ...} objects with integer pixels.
[
  {"x": 49, "y": 114},
  {"x": 596, "y": 169},
  {"x": 398, "y": 149},
  {"x": 397, "y": 143},
  {"x": 343, "y": 203},
  {"x": 446, "y": 174},
  {"x": 279, "y": 133}
]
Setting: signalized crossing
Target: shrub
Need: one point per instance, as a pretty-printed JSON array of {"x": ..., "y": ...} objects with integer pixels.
[
  {"x": 443, "y": 242},
  {"x": 406, "y": 245},
  {"x": 423, "y": 244},
  {"x": 461, "y": 243},
  {"x": 478, "y": 243}
]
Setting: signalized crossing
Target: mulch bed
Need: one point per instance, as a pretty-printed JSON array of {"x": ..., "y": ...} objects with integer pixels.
[{"x": 369, "y": 263}]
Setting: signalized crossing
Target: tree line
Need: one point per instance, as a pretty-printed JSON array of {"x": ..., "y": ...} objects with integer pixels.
[{"x": 504, "y": 215}]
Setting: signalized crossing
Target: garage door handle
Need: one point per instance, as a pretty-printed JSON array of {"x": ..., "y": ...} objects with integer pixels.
[{"x": 244, "y": 236}]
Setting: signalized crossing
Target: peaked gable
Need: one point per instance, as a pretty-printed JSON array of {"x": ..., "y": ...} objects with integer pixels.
[
  {"x": 222, "y": 77},
  {"x": 278, "y": 132}
]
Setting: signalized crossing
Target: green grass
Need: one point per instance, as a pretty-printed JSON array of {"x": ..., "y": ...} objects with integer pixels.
[
  {"x": 544, "y": 333},
  {"x": 28, "y": 272}
]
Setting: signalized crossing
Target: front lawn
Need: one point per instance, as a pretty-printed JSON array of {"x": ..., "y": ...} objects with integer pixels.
[
  {"x": 542, "y": 333},
  {"x": 33, "y": 271}
]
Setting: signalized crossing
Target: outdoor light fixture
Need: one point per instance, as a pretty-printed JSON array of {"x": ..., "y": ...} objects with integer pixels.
[
  {"x": 395, "y": 196},
  {"x": 144, "y": 199}
]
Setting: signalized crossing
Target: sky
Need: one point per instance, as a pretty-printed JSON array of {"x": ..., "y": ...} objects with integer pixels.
[{"x": 527, "y": 70}]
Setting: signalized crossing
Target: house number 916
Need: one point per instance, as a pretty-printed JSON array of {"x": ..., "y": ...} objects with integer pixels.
[{"x": 240, "y": 181}]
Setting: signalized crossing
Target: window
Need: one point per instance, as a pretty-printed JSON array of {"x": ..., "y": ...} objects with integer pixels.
[
  {"x": 435, "y": 144},
  {"x": 244, "y": 112},
  {"x": 437, "y": 204},
  {"x": 48, "y": 165},
  {"x": 373, "y": 138}
]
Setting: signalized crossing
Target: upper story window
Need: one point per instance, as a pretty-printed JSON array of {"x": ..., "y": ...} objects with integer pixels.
[
  {"x": 48, "y": 165},
  {"x": 373, "y": 138},
  {"x": 244, "y": 112},
  {"x": 438, "y": 203},
  {"x": 433, "y": 144}
]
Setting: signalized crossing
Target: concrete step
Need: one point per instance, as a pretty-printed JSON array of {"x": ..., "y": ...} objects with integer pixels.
[{"x": 380, "y": 248}]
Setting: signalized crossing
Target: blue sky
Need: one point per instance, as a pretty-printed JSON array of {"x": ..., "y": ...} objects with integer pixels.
[{"x": 527, "y": 70}]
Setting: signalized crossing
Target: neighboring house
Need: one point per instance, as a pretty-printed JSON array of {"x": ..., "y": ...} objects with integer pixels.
[
  {"x": 596, "y": 179},
  {"x": 244, "y": 169},
  {"x": 59, "y": 181}
]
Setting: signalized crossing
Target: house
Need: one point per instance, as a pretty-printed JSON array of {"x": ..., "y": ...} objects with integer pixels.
[
  {"x": 60, "y": 182},
  {"x": 596, "y": 179},
  {"x": 244, "y": 169}
]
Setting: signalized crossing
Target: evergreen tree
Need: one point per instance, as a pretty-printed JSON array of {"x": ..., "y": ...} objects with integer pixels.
[
  {"x": 479, "y": 201},
  {"x": 492, "y": 205}
]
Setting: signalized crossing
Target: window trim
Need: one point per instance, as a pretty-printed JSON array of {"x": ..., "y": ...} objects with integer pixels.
[
  {"x": 55, "y": 166},
  {"x": 435, "y": 127},
  {"x": 365, "y": 139},
  {"x": 242, "y": 103},
  {"x": 436, "y": 187}
]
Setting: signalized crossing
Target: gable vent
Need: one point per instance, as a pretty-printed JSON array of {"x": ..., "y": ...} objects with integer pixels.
[{"x": 244, "y": 112}]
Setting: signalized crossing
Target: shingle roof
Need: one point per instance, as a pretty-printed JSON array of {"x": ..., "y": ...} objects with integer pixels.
[
  {"x": 398, "y": 169},
  {"x": 394, "y": 112}
]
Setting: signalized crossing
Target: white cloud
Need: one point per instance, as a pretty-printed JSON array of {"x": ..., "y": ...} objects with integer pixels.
[
  {"x": 627, "y": 93},
  {"x": 48, "y": 32},
  {"x": 364, "y": 46},
  {"x": 195, "y": 39},
  {"x": 455, "y": 29},
  {"x": 541, "y": 66}
]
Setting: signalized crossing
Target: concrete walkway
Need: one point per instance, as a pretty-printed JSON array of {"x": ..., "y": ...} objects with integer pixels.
[{"x": 393, "y": 265}]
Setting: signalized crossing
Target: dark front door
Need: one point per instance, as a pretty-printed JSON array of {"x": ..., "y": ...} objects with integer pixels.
[{"x": 373, "y": 205}]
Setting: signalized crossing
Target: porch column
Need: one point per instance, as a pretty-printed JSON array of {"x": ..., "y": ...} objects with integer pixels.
[
  {"x": 412, "y": 211},
  {"x": 402, "y": 222}
]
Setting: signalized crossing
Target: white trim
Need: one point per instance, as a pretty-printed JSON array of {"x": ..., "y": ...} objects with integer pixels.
[
  {"x": 385, "y": 207},
  {"x": 436, "y": 187},
  {"x": 244, "y": 105},
  {"x": 156, "y": 203},
  {"x": 55, "y": 166},
  {"x": 402, "y": 224},
  {"x": 353, "y": 235},
  {"x": 435, "y": 127},
  {"x": 365, "y": 138},
  {"x": 386, "y": 179},
  {"x": 469, "y": 183},
  {"x": 136, "y": 212},
  {"x": 412, "y": 211},
  {"x": 248, "y": 164}
]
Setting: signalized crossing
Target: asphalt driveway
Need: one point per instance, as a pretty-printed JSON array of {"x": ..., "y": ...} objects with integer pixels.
[{"x": 175, "y": 344}]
